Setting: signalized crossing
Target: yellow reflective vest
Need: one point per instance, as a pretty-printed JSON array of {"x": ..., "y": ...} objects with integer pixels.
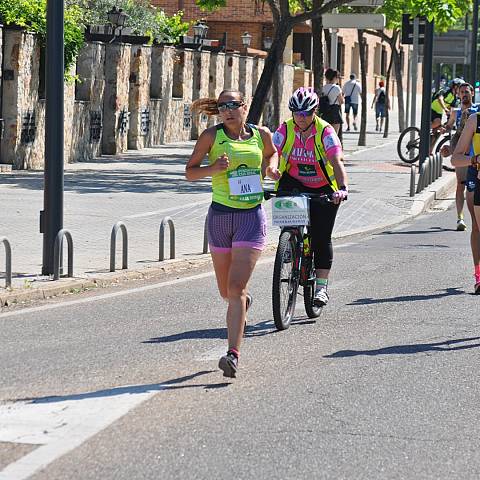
[{"x": 320, "y": 155}]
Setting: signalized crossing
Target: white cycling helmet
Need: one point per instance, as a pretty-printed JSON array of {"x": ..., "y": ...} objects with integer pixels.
[
  {"x": 303, "y": 100},
  {"x": 457, "y": 82}
]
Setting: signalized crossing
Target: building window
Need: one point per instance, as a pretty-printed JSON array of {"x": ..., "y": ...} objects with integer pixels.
[
  {"x": 355, "y": 63},
  {"x": 383, "y": 65},
  {"x": 341, "y": 56}
]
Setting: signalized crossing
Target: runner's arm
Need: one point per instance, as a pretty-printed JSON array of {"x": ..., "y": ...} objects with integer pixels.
[
  {"x": 459, "y": 158},
  {"x": 270, "y": 155},
  {"x": 194, "y": 169}
]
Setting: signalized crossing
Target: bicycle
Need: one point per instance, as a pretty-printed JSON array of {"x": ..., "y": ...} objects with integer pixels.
[
  {"x": 408, "y": 145},
  {"x": 293, "y": 267}
]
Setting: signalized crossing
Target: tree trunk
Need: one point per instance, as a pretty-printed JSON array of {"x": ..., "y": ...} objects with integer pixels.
[
  {"x": 318, "y": 59},
  {"x": 387, "y": 95},
  {"x": 273, "y": 60},
  {"x": 399, "y": 78},
  {"x": 362, "y": 138}
]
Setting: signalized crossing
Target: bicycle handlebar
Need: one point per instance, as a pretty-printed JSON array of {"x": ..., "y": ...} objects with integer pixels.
[{"x": 325, "y": 197}]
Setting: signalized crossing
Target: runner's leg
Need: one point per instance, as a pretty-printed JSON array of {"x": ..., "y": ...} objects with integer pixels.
[{"x": 241, "y": 268}]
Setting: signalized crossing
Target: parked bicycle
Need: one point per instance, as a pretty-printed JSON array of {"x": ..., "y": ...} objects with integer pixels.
[
  {"x": 408, "y": 145},
  {"x": 294, "y": 267}
]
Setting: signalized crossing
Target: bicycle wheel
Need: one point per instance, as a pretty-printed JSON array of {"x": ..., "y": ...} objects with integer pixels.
[
  {"x": 408, "y": 145},
  {"x": 285, "y": 281},
  {"x": 313, "y": 311},
  {"x": 446, "y": 161}
]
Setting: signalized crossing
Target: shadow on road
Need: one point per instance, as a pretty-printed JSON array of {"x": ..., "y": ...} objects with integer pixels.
[
  {"x": 132, "y": 389},
  {"x": 253, "y": 330},
  {"x": 408, "y": 298},
  {"x": 409, "y": 349},
  {"x": 418, "y": 232}
]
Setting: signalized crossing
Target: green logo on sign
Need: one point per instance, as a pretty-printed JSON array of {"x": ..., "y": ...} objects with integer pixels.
[{"x": 281, "y": 204}]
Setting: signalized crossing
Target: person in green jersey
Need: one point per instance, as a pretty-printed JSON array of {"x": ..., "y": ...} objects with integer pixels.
[{"x": 239, "y": 155}]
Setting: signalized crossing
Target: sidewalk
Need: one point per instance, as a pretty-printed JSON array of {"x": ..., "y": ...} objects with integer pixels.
[{"x": 141, "y": 188}]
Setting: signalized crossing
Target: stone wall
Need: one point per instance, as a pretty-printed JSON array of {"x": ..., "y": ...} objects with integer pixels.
[{"x": 126, "y": 97}]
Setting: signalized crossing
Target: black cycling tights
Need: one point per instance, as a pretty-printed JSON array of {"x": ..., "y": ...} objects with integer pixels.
[{"x": 322, "y": 220}]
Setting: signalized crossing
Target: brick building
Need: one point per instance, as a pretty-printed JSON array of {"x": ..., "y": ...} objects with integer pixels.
[{"x": 255, "y": 18}]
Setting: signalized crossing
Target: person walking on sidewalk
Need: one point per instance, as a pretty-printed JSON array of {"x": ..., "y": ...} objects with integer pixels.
[
  {"x": 333, "y": 94},
  {"x": 465, "y": 175},
  {"x": 467, "y": 153},
  {"x": 352, "y": 90},
  {"x": 380, "y": 104},
  {"x": 238, "y": 155},
  {"x": 311, "y": 161}
]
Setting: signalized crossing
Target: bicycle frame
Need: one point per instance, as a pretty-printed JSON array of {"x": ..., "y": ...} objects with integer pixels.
[{"x": 302, "y": 259}]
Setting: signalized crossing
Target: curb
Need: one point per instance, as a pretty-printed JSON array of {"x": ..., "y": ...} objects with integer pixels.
[{"x": 421, "y": 203}]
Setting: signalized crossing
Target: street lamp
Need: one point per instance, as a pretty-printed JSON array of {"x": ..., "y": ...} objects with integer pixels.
[
  {"x": 116, "y": 17},
  {"x": 246, "y": 39},
  {"x": 200, "y": 30},
  {"x": 267, "y": 43}
]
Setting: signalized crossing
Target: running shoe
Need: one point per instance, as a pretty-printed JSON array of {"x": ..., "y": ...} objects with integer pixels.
[
  {"x": 229, "y": 364},
  {"x": 461, "y": 225},
  {"x": 321, "y": 297},
  {"x": 477, "y": 284}
]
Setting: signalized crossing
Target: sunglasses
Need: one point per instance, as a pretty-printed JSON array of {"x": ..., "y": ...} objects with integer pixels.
[
  {"x": 232, "y": 105},
  {"x": 304, "y": 114}
]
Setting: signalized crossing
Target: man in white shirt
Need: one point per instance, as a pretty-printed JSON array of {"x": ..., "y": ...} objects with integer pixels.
[{"x": 352, "y": 90}]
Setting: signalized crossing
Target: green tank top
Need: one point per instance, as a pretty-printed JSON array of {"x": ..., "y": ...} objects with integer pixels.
[
  {"x": 448, "y": 99},
  {"x": 240, "y": 186}
]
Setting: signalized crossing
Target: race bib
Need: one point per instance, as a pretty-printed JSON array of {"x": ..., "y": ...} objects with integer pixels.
[{"x": 245, "y": 184}]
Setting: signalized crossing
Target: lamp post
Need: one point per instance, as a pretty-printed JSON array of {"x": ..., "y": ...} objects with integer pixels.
[
  {"x": 200, "y": 30},
  {"x": 117, "y": 18}
]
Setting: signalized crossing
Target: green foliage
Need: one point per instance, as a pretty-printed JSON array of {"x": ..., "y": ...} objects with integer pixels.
[
  {"x": 445, "y": 13},
  {"x": 32, "y": 15},
  {"x": 142, "y": 18}
]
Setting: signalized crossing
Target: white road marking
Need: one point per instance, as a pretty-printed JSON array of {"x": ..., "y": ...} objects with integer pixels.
[
  {"x": 171, "y": 209},
  {"x": 122, "y": 293},
  {"x": 344, "y": 245},
  {"x": 60, "y": 424}
]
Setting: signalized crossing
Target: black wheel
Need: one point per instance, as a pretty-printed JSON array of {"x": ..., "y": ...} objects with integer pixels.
[
  {"x": 408, "y": 145},
  {"x": 446, "y": 161},
  {"x": 308, "y": 293},
  {"x": 285, "y": 281}
]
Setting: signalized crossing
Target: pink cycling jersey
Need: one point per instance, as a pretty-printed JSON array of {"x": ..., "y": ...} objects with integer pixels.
[{"x": 302, "y": 164}]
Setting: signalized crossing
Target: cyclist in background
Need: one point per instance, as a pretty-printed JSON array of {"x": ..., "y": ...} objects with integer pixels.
[
  {"x": 458, "y": 119},
  {"x": 467, "y": 153},
  {"x": 443, "y": 101},
  {"x": 311, "y": 161},
  {"x": 238, "y": 153}
]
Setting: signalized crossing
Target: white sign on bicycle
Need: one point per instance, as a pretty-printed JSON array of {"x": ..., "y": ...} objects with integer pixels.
[{"x": 290, "y": 211}]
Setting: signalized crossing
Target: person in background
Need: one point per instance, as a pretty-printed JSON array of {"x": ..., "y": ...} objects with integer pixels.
[
  {"x": 467, "y": 154},
  {"x": 335, "y": 97},
  {"x": 380, "y": 104},
  {"x": 352, "y": 90},
  {"x": 465, "y": 175}
]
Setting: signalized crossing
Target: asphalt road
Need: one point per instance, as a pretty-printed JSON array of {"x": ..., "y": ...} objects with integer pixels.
[{"x": 123, "y": 384}]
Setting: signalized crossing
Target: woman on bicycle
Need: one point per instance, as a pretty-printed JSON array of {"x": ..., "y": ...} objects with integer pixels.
[
  {"x": 311, "y": 161},
  {"x": 238, "y": 153}
]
